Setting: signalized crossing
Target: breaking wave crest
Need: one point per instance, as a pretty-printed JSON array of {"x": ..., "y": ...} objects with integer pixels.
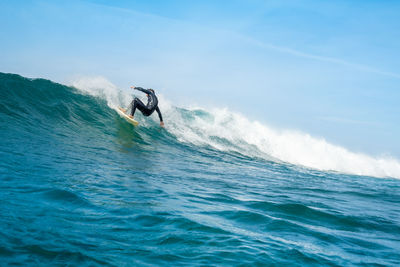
[{"x": 228, "y": 131}]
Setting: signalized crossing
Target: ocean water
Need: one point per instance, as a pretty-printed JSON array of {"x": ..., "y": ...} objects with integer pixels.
[{"x": 79, "y": 186}]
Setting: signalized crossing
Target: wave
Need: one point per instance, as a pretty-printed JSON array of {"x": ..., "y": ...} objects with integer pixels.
[
  {"x": 228, "y": 131},
  {"x": 90, "y": 99}
]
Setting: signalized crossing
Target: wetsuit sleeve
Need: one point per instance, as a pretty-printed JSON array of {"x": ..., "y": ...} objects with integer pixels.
[
  {"x": 143, "y": 90},
  {"x": 159, "y": 113}
]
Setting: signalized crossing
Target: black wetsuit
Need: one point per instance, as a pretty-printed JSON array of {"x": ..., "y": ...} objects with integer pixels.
[{"x": 152, "y": 103}]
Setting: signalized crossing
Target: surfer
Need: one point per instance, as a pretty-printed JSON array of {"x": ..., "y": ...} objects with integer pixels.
[{"x": 147, "y": 110}]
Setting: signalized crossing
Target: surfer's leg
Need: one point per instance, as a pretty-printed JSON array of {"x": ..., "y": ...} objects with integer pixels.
[{"x": 137, "y": 103}]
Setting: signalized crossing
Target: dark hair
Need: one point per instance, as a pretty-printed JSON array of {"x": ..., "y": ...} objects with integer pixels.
[{"x": 151, "y": 90}]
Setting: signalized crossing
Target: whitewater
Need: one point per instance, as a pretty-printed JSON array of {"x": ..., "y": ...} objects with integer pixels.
[{"x": 80, "y": 186}]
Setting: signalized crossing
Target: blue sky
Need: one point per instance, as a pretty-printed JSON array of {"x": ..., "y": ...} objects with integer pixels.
[{"x": 328, "y": 68}]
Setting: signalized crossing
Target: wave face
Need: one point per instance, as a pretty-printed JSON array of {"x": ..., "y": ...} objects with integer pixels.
[{"x": 79, "y": 186}]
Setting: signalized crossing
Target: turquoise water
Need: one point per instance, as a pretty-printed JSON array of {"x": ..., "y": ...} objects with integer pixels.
[{"x": 80, "y": 186}]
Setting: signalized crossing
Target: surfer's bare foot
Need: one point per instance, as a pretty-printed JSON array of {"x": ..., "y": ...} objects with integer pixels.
[{"x": 130, "y": 116}]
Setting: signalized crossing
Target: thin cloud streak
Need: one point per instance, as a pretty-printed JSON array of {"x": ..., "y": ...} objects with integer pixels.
[
  {"x": 349, "y": 121},
  {"x": 321, "y": 58}
]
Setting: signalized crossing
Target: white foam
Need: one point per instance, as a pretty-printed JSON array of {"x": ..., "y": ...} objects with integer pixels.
[
  {"x": 294, "y": 147},
  {"x": 101, "y": 87},
  {"x": 228, "y": 131}
]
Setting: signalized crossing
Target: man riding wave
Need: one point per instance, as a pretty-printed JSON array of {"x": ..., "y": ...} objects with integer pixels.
[{"x": 147, "y": 110}]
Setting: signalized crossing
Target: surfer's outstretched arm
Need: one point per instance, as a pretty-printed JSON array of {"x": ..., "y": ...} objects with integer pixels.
[
  {"x": 160, "y": 116},
  {"x": 141, "y": 89}
]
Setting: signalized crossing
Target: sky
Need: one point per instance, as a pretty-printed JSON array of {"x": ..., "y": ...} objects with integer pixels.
[{"x": 327, "y": 68}]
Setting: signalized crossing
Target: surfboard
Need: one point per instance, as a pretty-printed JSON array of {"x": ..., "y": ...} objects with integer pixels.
[{"x": 121, "y": 111}]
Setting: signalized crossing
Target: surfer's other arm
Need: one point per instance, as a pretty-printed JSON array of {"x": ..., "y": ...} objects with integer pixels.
[{"x": 160, "y": 116}]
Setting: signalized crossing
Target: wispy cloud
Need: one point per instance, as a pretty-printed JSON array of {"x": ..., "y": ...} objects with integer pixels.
[
  {"x": 348, "y": 121},
  {"x": 321, "y": 58}
]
